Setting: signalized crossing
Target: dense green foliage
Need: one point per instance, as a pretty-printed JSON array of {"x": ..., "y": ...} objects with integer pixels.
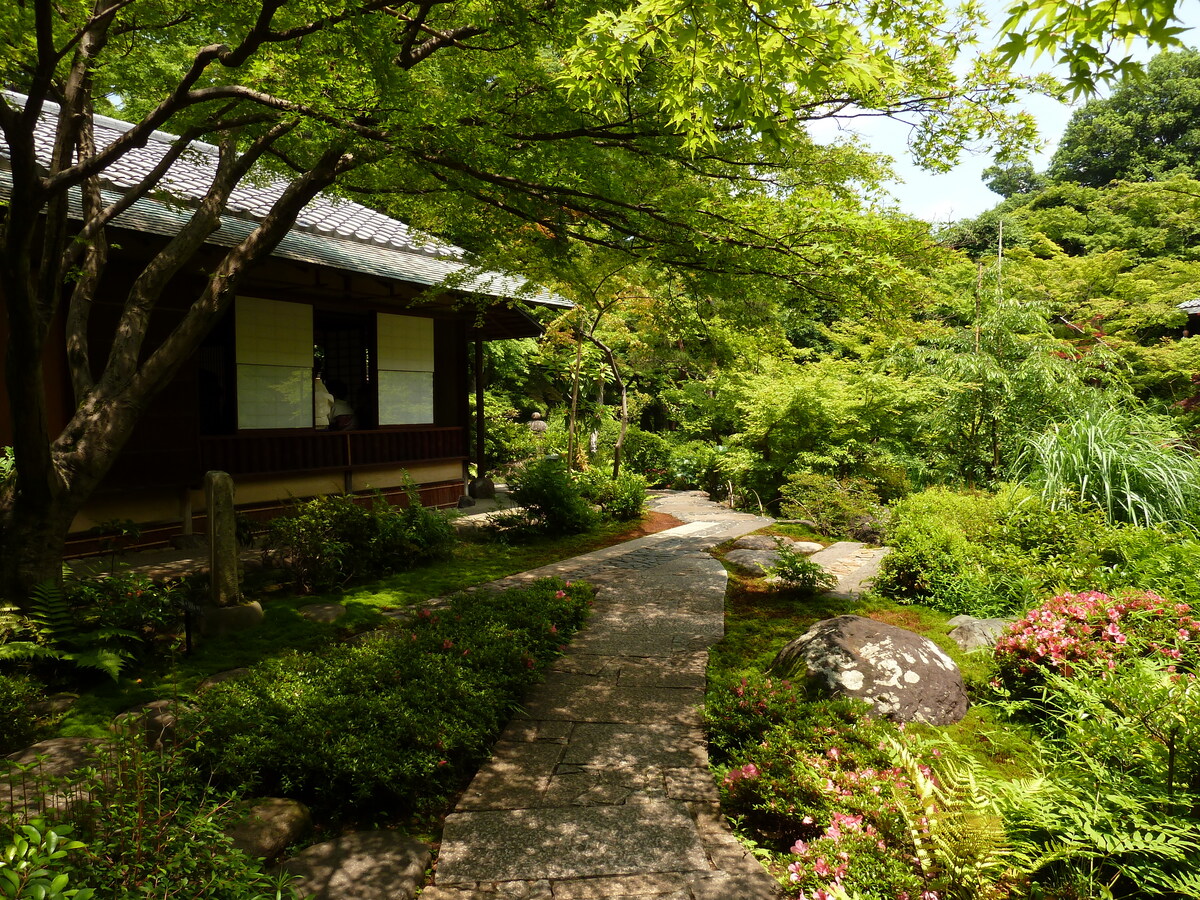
[
  {"x": 329, "y": 541},
  {"x": 19, "y": 698},
  {"x": 391, "y": 722},
  {"x": 143, "y": 824},
  {"x": 991, "y": 554}
]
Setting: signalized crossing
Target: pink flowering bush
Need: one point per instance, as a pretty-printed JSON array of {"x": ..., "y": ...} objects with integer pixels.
[
  {"x": 851, "y": 854},
  {"x": 1094, "y": 629}
]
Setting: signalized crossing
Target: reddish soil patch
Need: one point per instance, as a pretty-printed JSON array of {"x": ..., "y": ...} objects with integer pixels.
[{"x": 652, "y": 524}]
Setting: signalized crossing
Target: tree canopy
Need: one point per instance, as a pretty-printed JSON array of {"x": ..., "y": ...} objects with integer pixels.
[
  {"x": 655, "y": 127},
  {"x": 1146, "y": 130}
]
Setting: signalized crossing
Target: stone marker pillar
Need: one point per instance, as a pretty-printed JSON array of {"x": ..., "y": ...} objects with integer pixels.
[{"x": 222, "y": 540}]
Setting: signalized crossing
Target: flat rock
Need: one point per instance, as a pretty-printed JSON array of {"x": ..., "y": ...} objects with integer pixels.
[
  {"x": 808, "y": 548},
  {"x": 220, "y": 620},
  {"x": 757, "y": 542},
  {"x": 55, "y": 704},
  {"x": 58, "y": 756},
  {"x": 363, "y": 865},
  {"x": 903, "y": 675},
  {"x": 322, "y": 612},
  {"x": 638, "y": 837},
  {"x": 213, "y": 680},
  {"x": 156, "y": 722},
  {"x": 756, "y": 562},
  {"x": 45, "y": 786},
  {"x": 977, "y": 634},
  {"x": 269, "y": 825}
]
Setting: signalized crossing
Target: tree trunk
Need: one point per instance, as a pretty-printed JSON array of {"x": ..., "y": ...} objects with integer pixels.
[
  {"x": 32, "y": 536},
  {"x": 624, "y": 417}
]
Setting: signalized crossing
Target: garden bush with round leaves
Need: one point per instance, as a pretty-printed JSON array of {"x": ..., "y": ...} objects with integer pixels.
[
  {"x": 329, "y": 541},
  {"x": 393, "y": 722}
]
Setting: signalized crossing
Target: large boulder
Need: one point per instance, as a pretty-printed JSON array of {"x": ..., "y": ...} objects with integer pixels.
[{"x": 903, "y": 675}]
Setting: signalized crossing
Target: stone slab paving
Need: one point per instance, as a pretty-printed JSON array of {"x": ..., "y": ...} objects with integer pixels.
[{"x": 600, "y": 787}]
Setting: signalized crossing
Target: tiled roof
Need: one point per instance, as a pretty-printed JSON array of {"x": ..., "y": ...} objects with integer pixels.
[
  {"x": 1191, "y": 307},
  {"x": 329, "y": 231}
]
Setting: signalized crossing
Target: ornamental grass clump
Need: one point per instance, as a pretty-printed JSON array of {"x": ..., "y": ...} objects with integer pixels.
[
  {"x": 1106, "y": 457},
  {"x": 1094, "y": 628}
]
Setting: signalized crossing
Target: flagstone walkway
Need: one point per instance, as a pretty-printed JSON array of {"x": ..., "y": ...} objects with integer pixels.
[{"x": 600, "y": 788}]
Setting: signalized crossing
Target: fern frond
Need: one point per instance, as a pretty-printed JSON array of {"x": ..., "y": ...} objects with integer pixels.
[
  {"x": 51, "y": 612},
  {"x": 15, "y": 650},
  {"x": 953, "y": 820},
  {"x": 108, "y": 661}
]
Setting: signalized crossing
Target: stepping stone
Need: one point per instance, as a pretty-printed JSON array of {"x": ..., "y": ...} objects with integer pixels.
[
  {"x": 55, "y": 704},
  {"x": 213, "y": 680},
  {"x": 640, "y": 836},
  {"x": 756, "y": 562},
  {"x": 322, "y": 612},
  {"x": 155, "y": 721},
  {"x": 57, "y": 756},
  {"x": 856, "y": 582},
  {"x": 836, "y": 552},
  {"x": 46, "y": 786},
  {"x": 757, "y": 542},
  {"x": 363, "y": 865}
]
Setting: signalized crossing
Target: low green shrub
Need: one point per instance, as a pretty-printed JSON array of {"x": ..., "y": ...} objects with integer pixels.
[
  {"x": 552, "y": 499},
  {"x": 19, "y": 696},
  {"x": 797, "y": 571},
  {"x": 985, "y": 554},
  {"x": 837, "y": 506},
  {"x": 133, "y": 602},
  {"x": 147, "y": 824},
  {"x": 648, "y": 454},
  {"x": 31, "y": 864},
  {"x": 327, "y": 542},
  {"x": 622, "y": 498},
  {"x": 392, "y": 722},
  {"x": 696, "y": 465}
]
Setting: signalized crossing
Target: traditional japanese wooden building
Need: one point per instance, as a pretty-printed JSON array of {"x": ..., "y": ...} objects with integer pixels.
[{"x": 350, "y": 295}]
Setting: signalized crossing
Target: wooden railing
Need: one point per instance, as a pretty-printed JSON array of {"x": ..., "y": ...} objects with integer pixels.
[{"x": 249, "y": 453}]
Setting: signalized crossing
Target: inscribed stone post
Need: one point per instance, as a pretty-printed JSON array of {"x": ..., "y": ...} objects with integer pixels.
[{"x": 222, "y": 540}]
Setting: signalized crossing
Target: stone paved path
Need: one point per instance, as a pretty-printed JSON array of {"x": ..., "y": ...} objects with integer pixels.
[{"x": 600, "y": 788}]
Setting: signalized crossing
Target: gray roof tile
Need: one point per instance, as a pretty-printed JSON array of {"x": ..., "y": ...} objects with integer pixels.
[{"x": 329, "y": 231}]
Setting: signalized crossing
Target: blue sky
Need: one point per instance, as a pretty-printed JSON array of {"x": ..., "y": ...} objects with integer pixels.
[{"x": 942, "y": 197}]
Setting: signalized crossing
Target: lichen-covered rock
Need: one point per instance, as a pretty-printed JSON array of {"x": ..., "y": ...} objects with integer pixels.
[{"x": 903, "y": 675}]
